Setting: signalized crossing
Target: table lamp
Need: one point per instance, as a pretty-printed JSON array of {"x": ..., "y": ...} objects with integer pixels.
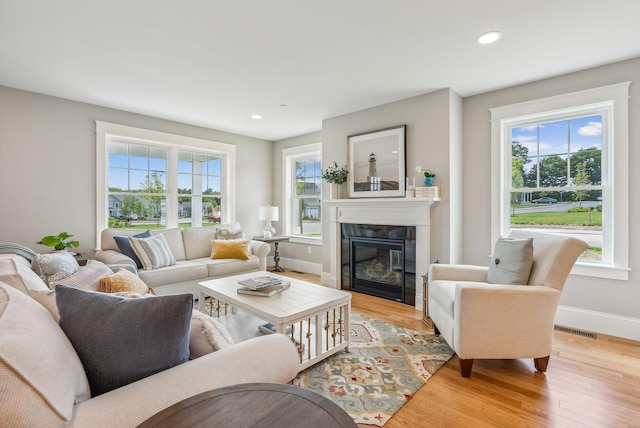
[{"x": 269, "y": 214}]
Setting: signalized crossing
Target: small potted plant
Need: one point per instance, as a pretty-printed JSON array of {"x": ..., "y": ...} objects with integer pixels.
[
  {"x": 428, "y": 175},
  {"x": 59, "y": 242},
  {"x": 334, "y": 175}
]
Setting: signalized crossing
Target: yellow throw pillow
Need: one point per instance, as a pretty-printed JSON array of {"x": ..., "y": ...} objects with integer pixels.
[
  {"x": 230, "y": 249},
  {"x": 124, "y": 280}
]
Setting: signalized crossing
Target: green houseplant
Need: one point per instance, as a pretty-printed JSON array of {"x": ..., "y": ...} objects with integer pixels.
[
  {"x": 334, "y": 175},
  {"x": 428, "y": 175},
  {"x": 59, "y": 241}
]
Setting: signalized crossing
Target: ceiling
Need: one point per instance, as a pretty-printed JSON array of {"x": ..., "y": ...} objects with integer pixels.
[{"x": 214, "y": 63}]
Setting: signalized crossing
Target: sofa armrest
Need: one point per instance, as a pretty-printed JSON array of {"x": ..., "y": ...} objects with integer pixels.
[
  {"x": 112, "y": 257},
  {"x": 262, "y": 250},
  {"x": 272, "y": 358},
  {"x": 470, "y": 273}
]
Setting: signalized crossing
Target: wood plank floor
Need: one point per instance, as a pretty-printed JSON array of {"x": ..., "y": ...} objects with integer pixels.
[{"x": 589, "y": 382}]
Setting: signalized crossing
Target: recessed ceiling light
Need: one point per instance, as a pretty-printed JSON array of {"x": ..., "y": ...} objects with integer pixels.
[
  {"x": 284, "y": 105},
  {"x": 256, "y": 116},
  {"x": 489, "y": 37}
]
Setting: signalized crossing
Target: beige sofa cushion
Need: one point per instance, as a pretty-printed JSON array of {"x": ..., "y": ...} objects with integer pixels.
[
  {"x": 225, "y": 267},
  {"x": 197, "y": 241},
  {"x": 16, "y": 271},
  {"x": 41, "y": 376},
  {"x": 182, "y": 271}
]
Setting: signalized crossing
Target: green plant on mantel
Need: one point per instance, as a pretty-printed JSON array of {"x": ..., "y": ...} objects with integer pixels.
[
  {"x": 59, "y": 241},
  {"x": 335, "y": 174},
  {"x": 426, "y": 172}
]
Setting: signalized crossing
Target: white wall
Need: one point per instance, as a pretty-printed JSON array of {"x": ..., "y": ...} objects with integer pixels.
[
  {"x": 48, "y": 163},
  {"x": 595, "y": 304}
]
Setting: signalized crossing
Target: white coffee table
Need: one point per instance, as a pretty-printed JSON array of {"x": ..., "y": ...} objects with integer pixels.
[{"x": 319, "y": 317}]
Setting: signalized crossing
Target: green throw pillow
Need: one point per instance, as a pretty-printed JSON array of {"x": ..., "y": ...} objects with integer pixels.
[
  {"x": 511, "y": 262},
  {"x": 122, "y": 340}
]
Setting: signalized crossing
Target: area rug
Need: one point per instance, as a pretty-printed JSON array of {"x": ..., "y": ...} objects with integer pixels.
[{"x": 386, "y": 365}]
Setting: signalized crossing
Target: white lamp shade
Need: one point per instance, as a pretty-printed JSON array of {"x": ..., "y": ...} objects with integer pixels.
[{"x": 268, "y": 213}]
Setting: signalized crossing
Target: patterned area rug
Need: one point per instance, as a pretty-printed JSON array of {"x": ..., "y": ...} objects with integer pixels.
[{"x": 386, "y": 366}]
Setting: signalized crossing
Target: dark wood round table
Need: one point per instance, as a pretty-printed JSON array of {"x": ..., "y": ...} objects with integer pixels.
[{"x": 254, "y": 405}]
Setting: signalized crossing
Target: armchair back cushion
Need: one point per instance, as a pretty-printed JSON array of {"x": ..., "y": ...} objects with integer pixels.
[{"x": 553, "y": 257}]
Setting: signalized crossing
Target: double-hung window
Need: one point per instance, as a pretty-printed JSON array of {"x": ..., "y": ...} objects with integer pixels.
[
  {"x": 302, "y": 192},
  {"x": 562, "y": 168},
  {"x": 153, "y": 180}
]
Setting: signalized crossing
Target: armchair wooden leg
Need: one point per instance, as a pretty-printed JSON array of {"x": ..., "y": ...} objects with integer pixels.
[
  {"x": 465, "y": 367},
  {"x": 541, "y": 363}
]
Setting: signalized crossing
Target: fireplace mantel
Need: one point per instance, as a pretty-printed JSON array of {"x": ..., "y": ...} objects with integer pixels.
[{"x": 384, "y": 211}]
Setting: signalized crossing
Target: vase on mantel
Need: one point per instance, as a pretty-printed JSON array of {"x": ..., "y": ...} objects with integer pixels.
[{"x": 334, "y": 191}]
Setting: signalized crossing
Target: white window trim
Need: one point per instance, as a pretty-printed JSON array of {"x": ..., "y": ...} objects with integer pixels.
[
  {"x": 289, "y": 155},
  {"x": 617, "y": 222},
  {"x": 106, "y": 131}
]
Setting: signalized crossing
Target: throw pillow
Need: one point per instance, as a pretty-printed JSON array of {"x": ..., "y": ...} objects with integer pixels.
[
  {"x": 122, "y": 340},
  {"x": 48, "y": 300},
  {"x": 125, "y": 246},
  {"x": 511, "y": 261},
  {"x": 124, "y": 280},
  {"x": 230, "y": 233},
  {"x": 41, "y": 376},
  {"x": 206, "y": 335},
  {"x": 87, "y": 277},
  {"x": 230, "y": 249},
  {"x": 153, "y": 252},
  {"x": 54, "y": 266}
]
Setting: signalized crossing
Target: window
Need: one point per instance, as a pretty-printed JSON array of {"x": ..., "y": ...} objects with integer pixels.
[
  {"x": 152, "y": 180},
  {"x": 563, "y": 170},
  {"x": 302, "y": 193}
]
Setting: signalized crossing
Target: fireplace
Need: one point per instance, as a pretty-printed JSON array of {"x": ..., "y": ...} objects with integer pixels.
[
  {"x": 379, "y": 260},
  {"x": 374, "y": 213}
]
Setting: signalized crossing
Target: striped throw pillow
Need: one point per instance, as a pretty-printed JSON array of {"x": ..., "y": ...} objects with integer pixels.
[{"x": 153, "y": 252}]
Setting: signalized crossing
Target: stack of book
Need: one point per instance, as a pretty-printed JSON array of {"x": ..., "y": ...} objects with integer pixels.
[
  {"x": 428, "y": 192},
  {"x": 265, "y": 286}
]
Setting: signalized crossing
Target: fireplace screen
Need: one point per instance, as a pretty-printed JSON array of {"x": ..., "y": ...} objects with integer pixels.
[{"x": 382, "y": 266}]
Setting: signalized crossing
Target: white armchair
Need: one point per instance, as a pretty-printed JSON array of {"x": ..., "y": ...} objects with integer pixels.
[{"x": 494, "y": 321}]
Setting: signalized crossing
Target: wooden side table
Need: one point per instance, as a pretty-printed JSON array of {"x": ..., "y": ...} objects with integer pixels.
[
  {"x": 425, "y": 301},
  {"x": 253, "y": 405},
  {"x": 276, "y": 256}
]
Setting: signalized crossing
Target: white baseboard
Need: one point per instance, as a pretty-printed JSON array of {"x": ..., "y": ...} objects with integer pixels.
[
  {"x": 301, "y": 266},
  {"x": 599, "y": 322}
]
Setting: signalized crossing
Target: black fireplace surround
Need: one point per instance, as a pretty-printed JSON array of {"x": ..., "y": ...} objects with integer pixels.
[{"x": 379, "y": 260}]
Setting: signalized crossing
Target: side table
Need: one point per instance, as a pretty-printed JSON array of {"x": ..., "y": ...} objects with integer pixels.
[
  {"x": 425, "y": 301},
  {"x": 253, "y": 405},
  {"x": 276, "y": 256},
  {"x": 82, "y": 258}
]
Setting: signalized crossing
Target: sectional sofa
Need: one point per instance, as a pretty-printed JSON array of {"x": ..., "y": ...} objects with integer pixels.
[{"x": 44, "y": 381}]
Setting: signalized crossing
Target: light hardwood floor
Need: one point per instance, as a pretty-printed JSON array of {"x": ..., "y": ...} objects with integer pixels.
[{"x": 589, "y": 382}]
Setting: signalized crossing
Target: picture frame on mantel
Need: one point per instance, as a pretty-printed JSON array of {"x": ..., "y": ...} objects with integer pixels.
[{"x": 377, "y": 163}]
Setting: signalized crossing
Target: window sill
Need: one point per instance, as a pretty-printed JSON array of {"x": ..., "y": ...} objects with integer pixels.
[
  {"x": 600, "y": 271},
  {"x": 305, "y": 240}
]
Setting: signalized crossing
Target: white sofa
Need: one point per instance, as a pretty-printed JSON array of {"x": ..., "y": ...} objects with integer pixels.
[
  {"x": 43, "y": 382},
  {"x": 191, "y": 247}
]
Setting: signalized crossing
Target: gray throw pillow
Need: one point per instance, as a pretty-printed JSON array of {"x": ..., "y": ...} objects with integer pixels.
[
  {"x": 125, "y": 246},
  {"x": 122, "y": 340},
  {"x": 511, "y": 261},
  {"x": 53, "y": 267}
]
